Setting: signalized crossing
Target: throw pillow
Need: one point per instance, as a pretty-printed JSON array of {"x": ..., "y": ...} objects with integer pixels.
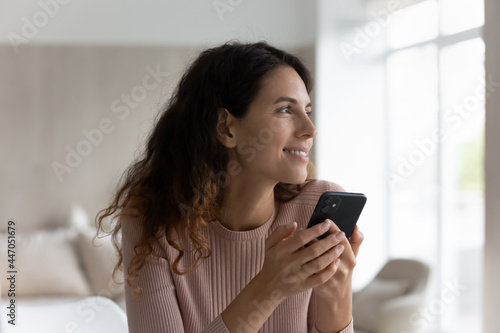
[
  {"x": 46, "y": 264},
  {"x": 99, "y": 259}
]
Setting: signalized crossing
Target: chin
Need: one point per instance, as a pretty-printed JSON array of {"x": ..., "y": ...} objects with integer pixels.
[{"x": 297, "y": 179}]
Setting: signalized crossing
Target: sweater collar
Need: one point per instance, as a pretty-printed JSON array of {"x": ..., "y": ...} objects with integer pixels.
[{"x": 247, "y": 235}]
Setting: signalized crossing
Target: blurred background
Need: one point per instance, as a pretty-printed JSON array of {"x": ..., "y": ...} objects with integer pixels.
[{"x": 399, "y": 104}]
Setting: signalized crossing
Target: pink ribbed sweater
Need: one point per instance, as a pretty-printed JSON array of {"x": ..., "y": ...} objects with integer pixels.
[{"x": 194, "y": 302}]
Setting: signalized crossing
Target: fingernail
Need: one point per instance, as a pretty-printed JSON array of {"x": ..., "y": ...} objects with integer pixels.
[
  {"x": 325, "y": 225},
  {"x": 340, "y": 247},
  {"x": 339, "y": 235},
  {"x": 289, "y": 226}
]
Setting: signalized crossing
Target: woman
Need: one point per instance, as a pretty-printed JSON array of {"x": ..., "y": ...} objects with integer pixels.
[{"x": 213, "y": 216}]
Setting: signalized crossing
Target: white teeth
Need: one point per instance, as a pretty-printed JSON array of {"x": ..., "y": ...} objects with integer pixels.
[{"x": 296, "y": 152}]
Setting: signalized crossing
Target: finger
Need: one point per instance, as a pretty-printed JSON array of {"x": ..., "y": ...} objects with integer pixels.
[
  {"x": 355, "y": 240},
  {"x": 303, "y": 237},
  {"x": 333, "y": 228},
  {"x": 319, "y": 264},
  {"x": 326, "y": 274},
  {"x": 280, "y": 233},
  {"x": 319, "y": 248}
]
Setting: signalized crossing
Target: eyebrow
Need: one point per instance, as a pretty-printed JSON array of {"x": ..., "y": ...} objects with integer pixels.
[{"x": 289, "y": 99}]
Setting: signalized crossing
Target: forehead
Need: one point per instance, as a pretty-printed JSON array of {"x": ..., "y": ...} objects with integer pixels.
[{"x": 283, "y": 81}]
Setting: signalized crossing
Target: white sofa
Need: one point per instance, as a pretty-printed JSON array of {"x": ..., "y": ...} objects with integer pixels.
[
  {"x": 60, "y": 264},
  {"x": 390, "y": 301},
  {"x": 89, "y": 315}
]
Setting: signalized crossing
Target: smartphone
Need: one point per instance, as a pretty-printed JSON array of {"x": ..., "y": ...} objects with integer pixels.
[{"x": 343, "y": 208}]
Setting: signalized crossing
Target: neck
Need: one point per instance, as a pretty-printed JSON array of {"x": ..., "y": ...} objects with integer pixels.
[{"x": 247, "y": 204}]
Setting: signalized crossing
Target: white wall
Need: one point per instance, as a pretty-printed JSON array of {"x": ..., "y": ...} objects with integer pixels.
[
  {"x": 54, "y": 149},
  {"x": 67, "y": 70},
  {"x": 52, "y": 99},
  {"x": 154, "y": 22}
]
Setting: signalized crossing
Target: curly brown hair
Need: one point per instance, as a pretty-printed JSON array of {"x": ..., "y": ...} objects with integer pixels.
[{"x": 177, "y": 184}]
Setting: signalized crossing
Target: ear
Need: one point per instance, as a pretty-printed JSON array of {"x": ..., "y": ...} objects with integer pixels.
[{"x": 225, "y": 128}]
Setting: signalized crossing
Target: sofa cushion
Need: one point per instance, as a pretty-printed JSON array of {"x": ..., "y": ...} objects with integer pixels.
[
  {"x": 46, "y": 264},
  {"x": 366, "y": 305},
  {"x": 99, "y": 258}
]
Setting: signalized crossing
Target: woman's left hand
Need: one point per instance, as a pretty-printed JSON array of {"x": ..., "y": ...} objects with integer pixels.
[{"x": 341, "y": 281}]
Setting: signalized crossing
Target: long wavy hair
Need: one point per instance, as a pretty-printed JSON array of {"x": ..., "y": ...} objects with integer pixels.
[{"x": 174, "y": 184}]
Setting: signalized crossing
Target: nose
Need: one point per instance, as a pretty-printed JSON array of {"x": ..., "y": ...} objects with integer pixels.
[{"x": 306, "y": 127}]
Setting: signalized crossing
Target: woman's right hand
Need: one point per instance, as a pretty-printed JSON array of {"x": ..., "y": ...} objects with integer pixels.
[{"x": 290, "y": 268}]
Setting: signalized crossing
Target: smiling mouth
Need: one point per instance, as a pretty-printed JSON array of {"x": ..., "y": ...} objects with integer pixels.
[{"x": 296, "y": 152}]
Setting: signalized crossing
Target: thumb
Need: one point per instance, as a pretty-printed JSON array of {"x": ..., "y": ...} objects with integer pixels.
[{"x": 280, "y": 233}]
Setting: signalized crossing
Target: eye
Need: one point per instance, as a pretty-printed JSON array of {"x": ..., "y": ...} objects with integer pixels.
[
  {"x": 285, "y": 109},
  {"x": 309, "y": 113}
]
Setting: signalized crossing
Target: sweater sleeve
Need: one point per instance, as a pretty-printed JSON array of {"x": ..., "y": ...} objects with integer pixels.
[
  {"x": 348, "y": 329},
  {"x": 335, "y": 187},
  {"x": 156, "y": 310}
]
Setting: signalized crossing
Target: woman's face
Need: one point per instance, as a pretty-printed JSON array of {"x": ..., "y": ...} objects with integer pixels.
[{"x": 276, "y": 134}]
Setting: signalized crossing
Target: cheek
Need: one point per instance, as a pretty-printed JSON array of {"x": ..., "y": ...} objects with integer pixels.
[
  {"x": 269, "y": 139},
  {"x": 278, "y": 125},
  {"x": 282, "y": 131},
  {"x": 264, "y": 140},
  {"x": 267, "y": 134}
]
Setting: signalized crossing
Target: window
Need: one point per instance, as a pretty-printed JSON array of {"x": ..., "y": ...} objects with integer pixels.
[
  {"x": 407, "y": 128},
  {"x": 436, "y": 97}
]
